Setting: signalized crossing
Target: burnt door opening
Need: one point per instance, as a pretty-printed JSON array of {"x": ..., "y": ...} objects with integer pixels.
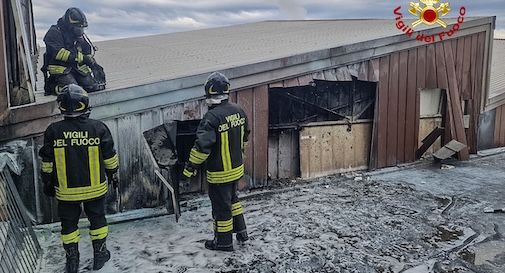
[{"x": 293, "y": 108}]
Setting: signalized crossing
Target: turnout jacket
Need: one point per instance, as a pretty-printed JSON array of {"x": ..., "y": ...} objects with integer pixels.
[
  {"x": 76, "y": 155},
  {"x": 63, "y": 53},
  {"x": 221, "y": 135}
]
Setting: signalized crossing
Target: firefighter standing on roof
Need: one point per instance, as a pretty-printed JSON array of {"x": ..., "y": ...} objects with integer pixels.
[
  {"x": 78, "y": 158},
  {"x": 220, "y": 142},
  {"x": 69, "y": 55}
]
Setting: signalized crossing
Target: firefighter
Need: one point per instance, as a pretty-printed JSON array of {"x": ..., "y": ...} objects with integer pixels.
[
  {"x": 221, "y": 135},
  {"x": 78, "y": 162},
  {"x": 69, "y": 55}
]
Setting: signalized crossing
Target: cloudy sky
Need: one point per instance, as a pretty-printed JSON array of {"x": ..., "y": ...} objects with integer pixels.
[{"x": 112, "y": 19}]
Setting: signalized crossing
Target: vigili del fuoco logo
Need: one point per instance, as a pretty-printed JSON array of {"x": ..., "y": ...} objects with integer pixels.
[{"x": 429, "y": 12}]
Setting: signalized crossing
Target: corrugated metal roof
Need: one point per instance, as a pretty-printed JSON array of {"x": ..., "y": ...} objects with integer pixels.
[
  {"x": 138, "y": 61},
  {"x": 497, "y": 84}
]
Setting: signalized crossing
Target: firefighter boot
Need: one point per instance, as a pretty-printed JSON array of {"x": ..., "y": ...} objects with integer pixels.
[
  {"x": 222, "y": 241},
  {"x": 100, "y": 254},
  {"x": 242, "y": 237},
  {"x": 72, "y": 255}
]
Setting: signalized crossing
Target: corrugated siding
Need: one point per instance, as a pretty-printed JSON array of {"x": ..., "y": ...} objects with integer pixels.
[{"x": 430, "y": 66}]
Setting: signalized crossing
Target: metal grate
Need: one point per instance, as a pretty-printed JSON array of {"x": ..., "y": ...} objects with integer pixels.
[{"x": 19, "y": 248}]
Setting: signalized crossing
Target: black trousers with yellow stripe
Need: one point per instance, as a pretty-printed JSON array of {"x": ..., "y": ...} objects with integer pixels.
[
  {"x": 70, "y": 212},
  {"x": 57, "y": 82},
  {"x": 227, "y": 212}
]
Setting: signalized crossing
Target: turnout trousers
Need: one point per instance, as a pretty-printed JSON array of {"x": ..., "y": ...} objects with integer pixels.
[
  {"x": 69, "y": 213},
  {"x": 227, "y": 212}
]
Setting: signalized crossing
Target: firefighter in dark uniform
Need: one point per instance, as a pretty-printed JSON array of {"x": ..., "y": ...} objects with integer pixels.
[
  {"x": 78, "y": 161},
  {"x": 69, "y": 56},
  {"x": 220, "y": 142}
]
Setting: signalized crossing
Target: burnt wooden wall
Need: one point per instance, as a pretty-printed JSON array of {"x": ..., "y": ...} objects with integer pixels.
[{"x": 456, "y": 64}]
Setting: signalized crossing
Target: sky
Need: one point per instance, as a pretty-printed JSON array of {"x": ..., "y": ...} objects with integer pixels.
[{"x": 113, "y": 19}]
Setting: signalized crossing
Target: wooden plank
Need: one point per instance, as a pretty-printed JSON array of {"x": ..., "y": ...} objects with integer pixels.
[
  {"x": 305, "y": 156},
  {"x": 276, "y": 84},
  {"x": 233, "y": 97},
  {"x": 421, "y": 83},
  {"x": 477, "y": 93},
  {"x": 173, "y": 112},
  {"x": 273, "y": 155},
  {"x": 318, "y": 75},
  {"x": 460, "y": 56},
  {"x": 473, "y": 66},
  {"x": 431, "y": 67},
  {"x": 330, "y": 75},
  {"x": 467, "y": 63},
  {"x": 4, "y": 97},
  {"x": 497, "y": 127},
  {"x": 291, "y": 82},
  {"x": 457, "y": 112},
  {"x": 131, "y": 192},
  {"x": 305, "y": 80},
  {"x": 191, "y": 110},
  {"x": 382, "y": 112},
  {"x": 285, "y": 154},
  {"x": 245, "y": 100},
  {"x": 260, "y": 135},
  {"x": 361, "y": 136},
  {"x": 402, "y": 106},
  {"x": 449, "y": 132},
  {"x": 325, "y": 140},
  {"x": 392, "y": 129}
]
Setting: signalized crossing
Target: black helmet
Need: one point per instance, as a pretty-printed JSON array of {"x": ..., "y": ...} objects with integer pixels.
[
  {"x": 217, "y": 88},
  {"x": 76, "y": 21},
  {"x": 73, "y": 101}
]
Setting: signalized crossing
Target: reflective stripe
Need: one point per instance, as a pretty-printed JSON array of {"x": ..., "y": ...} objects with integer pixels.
[
  {"x": 62, "y": 55},
  {"x": 61, "y": 167},
  {"x": 47, "y": 167},
  {"x": 85, "y": 69},
  {"x": 99, "y": 234},
  {"x": 187, "y": 173},
  {"x": 225, "y": 151},
  {"x": 224, "y": 226},
  {"x": 111, "y": 163},
  {"x": 79, "y": 57},
  {"x": 56, "y": 69},
  {"x": 82, "y": 193},
  {"x": 94, "y": 165},
  {"x": 71, "y": 238},
  {"x": 225, "y": 176},
  {"x": 236, "y": 209},
  {"x": 197, "y": 157}
]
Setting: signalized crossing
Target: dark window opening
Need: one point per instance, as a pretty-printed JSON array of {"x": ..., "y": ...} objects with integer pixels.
[{"x": 291, "y": 107}]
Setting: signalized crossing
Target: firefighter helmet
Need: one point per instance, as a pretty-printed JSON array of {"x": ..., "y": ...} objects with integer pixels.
[
  {"x": 73, "y": 101},
  {"x": 76, "y": 21},
  {"x": 217, "y": 88}
]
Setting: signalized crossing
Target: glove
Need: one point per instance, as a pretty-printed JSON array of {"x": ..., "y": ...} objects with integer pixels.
[
  {"x": 189, "y": 171},
  {"x": 89, "y": 60},
  {"x": 49, "y": 190},
  {"x": 112, "y": 178}
]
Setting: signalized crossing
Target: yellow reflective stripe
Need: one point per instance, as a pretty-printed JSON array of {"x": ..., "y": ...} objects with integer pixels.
[
  {"x": 79, "y": 57},
  {"x": 84, "y": 68},
  {"x": 225, "y": 151},
  {"x": 61, "y": 167},
  {"x": 56, "y": 69},
  {"x": 94, "y": 165},
  {"x": 47, "y": 167},
  {"x": 197, "y": 157},
  {"x": 80, "y": 194},
  {"x": 62, "y": 55},
  {"x": 99, "y": 234},
  {"x": 187, "y": 173},
  {"x": 236, "y": 209},
  {"x": 71, "y": 238},
  {"x": 225, "y": 176},
  {"x": 224, "y": 226},
  {"x": 112, "y": 163}
]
